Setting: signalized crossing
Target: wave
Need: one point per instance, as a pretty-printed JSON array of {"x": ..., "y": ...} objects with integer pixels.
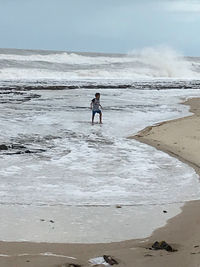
[
  {"x": 68, "y": 58},
  {"x": 166, "y": 62},
  {"x": 90, "y": 74},
  {"x": 149, "y": 63}
]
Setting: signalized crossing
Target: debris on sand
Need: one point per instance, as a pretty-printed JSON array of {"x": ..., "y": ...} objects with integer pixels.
[
  {"x": 110, "y": 260},
  {"x": 105, "y": 260},
  {"x": 163, "y": 245},
  {"x": 98, "y": 261}
]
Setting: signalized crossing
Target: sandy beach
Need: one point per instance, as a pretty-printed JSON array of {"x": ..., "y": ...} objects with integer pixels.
[
  {"x": 100, "y": 133},
  {"x": 179, "y": 138}
]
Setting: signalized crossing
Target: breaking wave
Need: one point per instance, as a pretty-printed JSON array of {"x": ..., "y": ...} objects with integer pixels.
[
  {"x": 165, "y": 62},
  {"x": 149, "y": 63}
]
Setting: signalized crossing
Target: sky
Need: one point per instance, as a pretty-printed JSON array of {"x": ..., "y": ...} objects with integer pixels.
[{"x": 111, "y": 26}]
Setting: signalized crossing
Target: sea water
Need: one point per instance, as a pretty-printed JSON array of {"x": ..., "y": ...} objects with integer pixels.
[{"x": 79, "y": 172}]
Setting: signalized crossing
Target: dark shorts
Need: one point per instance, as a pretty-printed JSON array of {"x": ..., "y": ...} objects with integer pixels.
[{"x": 96, "y": 111}]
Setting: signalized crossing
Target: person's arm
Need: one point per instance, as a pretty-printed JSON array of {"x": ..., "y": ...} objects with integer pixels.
[{"x": 91, "y": 105}]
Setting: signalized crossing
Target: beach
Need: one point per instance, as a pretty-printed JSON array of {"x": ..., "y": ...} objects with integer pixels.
[
  {"x": 71, "y": 191},
  {"x": 178, "y": 138},
  {"x": 99, "y": 133}
]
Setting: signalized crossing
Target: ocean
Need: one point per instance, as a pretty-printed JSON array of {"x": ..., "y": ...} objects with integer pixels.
[{"x": 57, "y": 161}]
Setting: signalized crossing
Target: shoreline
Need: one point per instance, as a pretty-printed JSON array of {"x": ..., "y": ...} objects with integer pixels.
[
  {"x": 142, "y": 136},
  {"x": 181, "y": 231}
]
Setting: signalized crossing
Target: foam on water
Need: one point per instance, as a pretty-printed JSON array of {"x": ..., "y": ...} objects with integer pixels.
[
  {"x": 92, "y": 165},
  {"x": 86, "y": 170},
  {"x": 68, "y": 58},
  {"x": 149, "y": 63},
  {"x": 80, "y": 172}
]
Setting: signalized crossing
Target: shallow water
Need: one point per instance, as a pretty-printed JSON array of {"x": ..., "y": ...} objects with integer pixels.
[
  {"x": 91, "y": 165},
  {"x": 60, "y": 168}
]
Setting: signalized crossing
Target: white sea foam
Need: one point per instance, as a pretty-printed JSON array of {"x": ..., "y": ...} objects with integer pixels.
[
  {"x": 148, "y": 63},
  {"x": 68, "y": 58},
  {"x": 86, "y": 165},
  {"x": 164, "y": 62}
]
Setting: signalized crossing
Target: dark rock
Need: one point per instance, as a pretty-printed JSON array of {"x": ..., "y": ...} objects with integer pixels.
[
  {"x": 16, "y": 146},
  {"x": 3, "y": 147},
  {"x": 109, "y": 260},
  {"x": 164, "y": 211},
  {"x": 72, "y": 87},
  {"x": 16, "y": 153},
  {"x": 21, "y": 149},
  {"x": 41, "y": 150},
  {"x": 34, "y": 151},
  {"x": 51, "y": 221}
]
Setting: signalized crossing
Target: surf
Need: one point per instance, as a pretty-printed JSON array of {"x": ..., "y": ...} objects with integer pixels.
[{"x": 148, "y": 63}]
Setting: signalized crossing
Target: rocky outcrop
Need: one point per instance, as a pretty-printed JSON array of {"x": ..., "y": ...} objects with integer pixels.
[{"x": 16, "y": 149}]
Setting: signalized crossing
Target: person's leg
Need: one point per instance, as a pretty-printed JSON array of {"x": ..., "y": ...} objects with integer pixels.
[
  {"x": 100, "y": 117},
  {"x": 93, "y": 114}
]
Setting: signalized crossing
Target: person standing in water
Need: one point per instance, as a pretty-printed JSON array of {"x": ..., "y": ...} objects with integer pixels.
[{"x": 95, "y": 107}]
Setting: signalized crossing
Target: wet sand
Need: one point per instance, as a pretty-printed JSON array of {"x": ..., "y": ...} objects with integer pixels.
[{"x": 179, "y": 138}]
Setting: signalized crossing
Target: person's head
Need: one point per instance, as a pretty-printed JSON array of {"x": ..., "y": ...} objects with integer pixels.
[{"x": 97, "y": 95}]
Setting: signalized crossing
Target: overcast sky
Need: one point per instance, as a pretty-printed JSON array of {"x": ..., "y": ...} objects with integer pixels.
[{"x": 100, "y": 25}]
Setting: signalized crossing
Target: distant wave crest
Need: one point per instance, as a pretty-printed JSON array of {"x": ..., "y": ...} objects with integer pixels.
[{"x": 149, "y": 63}]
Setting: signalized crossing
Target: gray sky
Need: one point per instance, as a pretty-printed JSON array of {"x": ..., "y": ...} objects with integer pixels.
[{"x": 100, "y": 25}]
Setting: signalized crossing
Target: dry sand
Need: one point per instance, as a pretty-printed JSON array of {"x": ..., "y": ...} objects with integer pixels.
[{"x": 179, "y": 138}]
